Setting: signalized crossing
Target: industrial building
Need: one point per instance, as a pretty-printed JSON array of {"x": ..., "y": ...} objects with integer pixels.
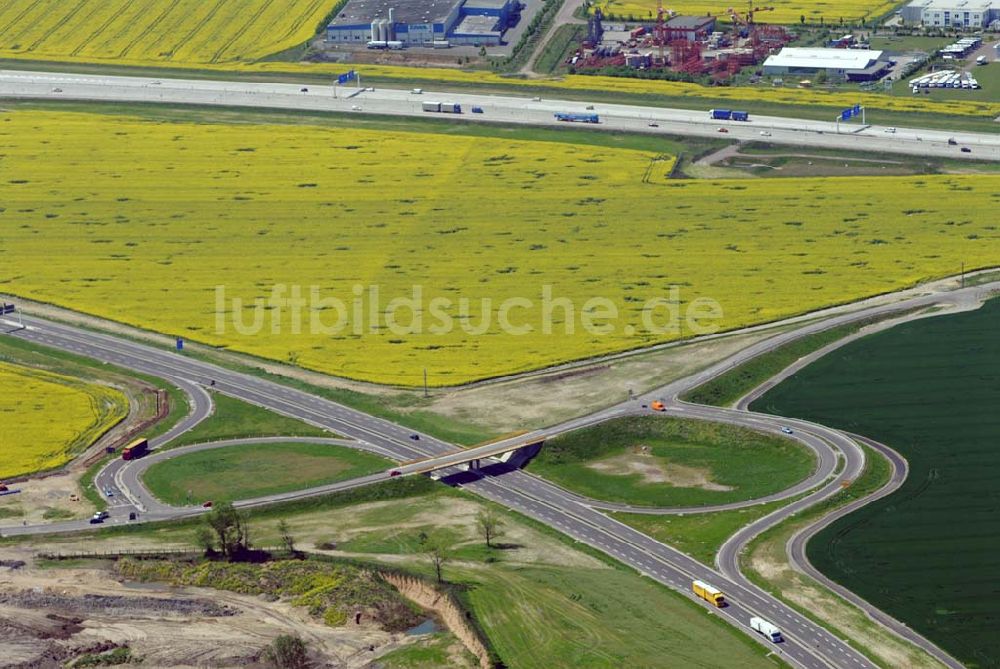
[
  {"x": 402, "y": 23},
  {"x": 962, "y": 14},
  {"x": 690, "y": 28},
  {"x": 849, "y": 64}
]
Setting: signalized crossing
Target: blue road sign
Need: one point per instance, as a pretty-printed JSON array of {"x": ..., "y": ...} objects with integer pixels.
[
  {"x": 180, "y": 344},
  {"x": 347, "y": 76},
  {"x": 7, "y": 309},
  {"x": 846, "y": 114},
  {"x": 857, "y": 110}
]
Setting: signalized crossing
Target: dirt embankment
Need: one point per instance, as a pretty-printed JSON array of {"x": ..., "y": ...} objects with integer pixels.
[
  {"x": 49, "y": 616},
  {"x": 450, "y": 613}
]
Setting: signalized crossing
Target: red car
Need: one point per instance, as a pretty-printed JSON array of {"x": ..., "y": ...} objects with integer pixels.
[
  {"x": 208, "y": 504},
  {"x": 395, "y": 472},
  {"x": 723, "y": 130}
]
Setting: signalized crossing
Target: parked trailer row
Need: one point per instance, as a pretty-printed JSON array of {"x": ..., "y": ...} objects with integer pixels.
[
  {"x": 443, "y": 107},
  {"x": 728, "y": 115},
  {"x": 945, "y": 79}
]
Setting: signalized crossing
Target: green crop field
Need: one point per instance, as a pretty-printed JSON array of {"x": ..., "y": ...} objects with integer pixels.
[
  {"x": 928, "y": 554},
  {"x": 243, "y": 472},
  {"x": 655, "y": 461}
]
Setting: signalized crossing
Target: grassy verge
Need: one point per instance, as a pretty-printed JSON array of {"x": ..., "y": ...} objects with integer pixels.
[
  {"x": 730, "y": 386},
  {"x": 564, "y": 39},
  {"x": 236, "y": 419},
  {"x": 435, "y": 651},
  {"x": 250, "y": 471},
  {"x": 653, "y": 461},
  {"x": 670, "y": 144},
  {"x": 700, "y": 535}
]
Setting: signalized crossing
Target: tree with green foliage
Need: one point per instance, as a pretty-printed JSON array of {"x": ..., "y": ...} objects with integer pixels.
[
  {"x": 490, "y": 525},
  {"x": 232, "y": 528},
  {"x": 204, "y": 539},
  {"x": 285, "y": 532},
  {"x": 438, "y": 549},
  {"x": 288, "y": 652}
]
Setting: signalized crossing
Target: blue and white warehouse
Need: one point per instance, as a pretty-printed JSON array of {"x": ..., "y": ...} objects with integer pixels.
[{"x": 402, "y": 23}]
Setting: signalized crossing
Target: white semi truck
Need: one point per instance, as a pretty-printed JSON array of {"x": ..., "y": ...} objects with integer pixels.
[{"x": 771, "y": 632}]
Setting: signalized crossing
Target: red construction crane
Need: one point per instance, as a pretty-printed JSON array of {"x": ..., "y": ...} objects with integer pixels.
[{"x": 660, "y": 31}]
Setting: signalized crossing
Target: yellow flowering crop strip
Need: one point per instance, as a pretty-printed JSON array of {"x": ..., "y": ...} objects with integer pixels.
[
  {"x": 49, "y": 418},
  {"x": 156, "y": 31},
  {"x": 140, "y": 221}
]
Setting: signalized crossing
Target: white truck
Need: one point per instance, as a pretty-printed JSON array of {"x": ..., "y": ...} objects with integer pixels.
[{"x": 771, "y": 632}]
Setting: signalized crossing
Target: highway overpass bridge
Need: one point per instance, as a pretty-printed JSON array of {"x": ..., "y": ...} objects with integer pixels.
[{"x": 515, "y": 452}]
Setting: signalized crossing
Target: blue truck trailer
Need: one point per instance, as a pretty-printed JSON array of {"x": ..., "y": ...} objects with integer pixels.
[
  {"x": 578, "y": 118},
  {"x": 728, "y": 114}
]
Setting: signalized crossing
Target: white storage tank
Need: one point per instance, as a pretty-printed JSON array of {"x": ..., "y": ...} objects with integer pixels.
[
  {"x": 374, "y": 37},
  {"x": 383, "y": 30}
]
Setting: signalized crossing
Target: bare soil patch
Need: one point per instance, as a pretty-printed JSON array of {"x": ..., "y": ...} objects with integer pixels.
[
  {"x": 654, "y": 470},
  {"x": 50, "y": 615}
]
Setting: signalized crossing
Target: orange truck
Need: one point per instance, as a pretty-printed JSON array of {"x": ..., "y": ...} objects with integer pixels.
[
  {"x": 657, "y": 405},
  {"x": 709, "y": 593}
]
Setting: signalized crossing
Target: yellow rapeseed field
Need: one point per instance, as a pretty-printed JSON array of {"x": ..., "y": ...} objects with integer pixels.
[
  {"x": 785, "y": 11},
  {"x": 141, "y": 221},
  {"x": 48, "y": 418},
  {"x": 156, "y": 31}
]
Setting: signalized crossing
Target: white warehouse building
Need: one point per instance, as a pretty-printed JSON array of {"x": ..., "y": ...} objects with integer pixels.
[
  {"x": 850, "y": 64},
  {"x": 971, "y": 14}
]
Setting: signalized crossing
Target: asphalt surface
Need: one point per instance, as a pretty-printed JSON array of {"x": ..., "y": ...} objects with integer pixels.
[
  {"x": 807, "y": 644},
  {"x": 18, "y": 84}
]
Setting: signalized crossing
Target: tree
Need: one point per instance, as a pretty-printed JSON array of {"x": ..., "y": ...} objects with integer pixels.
[
  {"x": 438, "y": 549},
  {"x": 232, "y": 529},
  {"x": 802, "y": 19},
  {"x": 288, "y": 652},
  {"x": 287, "y": 540},
  {"x": 204, "y": 539},
  {"x": 490, "y": 525}
]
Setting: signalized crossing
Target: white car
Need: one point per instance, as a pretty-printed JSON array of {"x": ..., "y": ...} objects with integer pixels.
[
  {"x": 890, "y": 130},
  {"x": 765, "y": 133},
  {"x": 787, "y": 430},
  {"x": 356, "y": 108}
]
